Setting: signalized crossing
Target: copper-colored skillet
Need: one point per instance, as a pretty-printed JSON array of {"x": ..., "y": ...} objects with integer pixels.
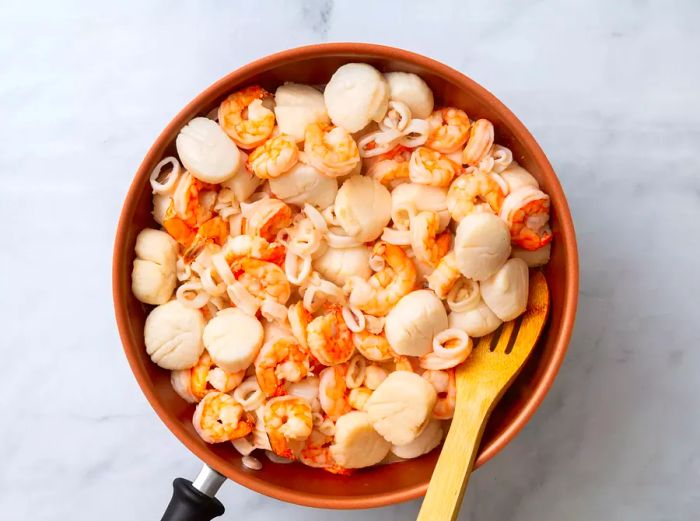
[{"x": 296, "y": 483}]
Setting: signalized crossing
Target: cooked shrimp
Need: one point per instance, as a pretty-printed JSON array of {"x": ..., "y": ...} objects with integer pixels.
[
  {"x": 384, "y": 289},
  {"x": 329, "y": 338},
  {"x": 287, "y": 420},
  {"x": 427, "y": 246},
  {"x": 282, "y": 360},
  {"x": 274, "y": 157},
  {"x": 332, "y": 150},
  {"x": 527, "y": 213},
  {"x": 262, "y": 279},
  {"x": 445, "y": 276},
  {"x": 244, "y": 118},
  {"x": 479, "y": 143},
  {"x": 472, "y": 192},
  {"x": 214, "y": 230},
  {"x": 219, "y": 418},
  {"x": 333, "y": 391},
  {"x": 267, "y": 217},
  {"x": 446, "y": 389},
  {"x": 316, "y": 451},
  {"x": 391, "y": 167},
  {"x": 449, "y": 129},
  {"x": 299, "y": 319},
  {"x": 255, "y": 247},
  {"x": 193, "y": 384},
  {"x": 372, "y": 347},
  {"x": 430, "y": 167}
]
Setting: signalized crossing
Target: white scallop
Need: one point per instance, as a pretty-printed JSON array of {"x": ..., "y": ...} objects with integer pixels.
[
  {"x": 534, "y": 258},
  {"x": 233, "y": 339},
  {"x": 516, "y": 177},
  {"x": 355, "y": 95},
  {"x": 339, "y": 264},
  {"x": 296, "y": 107},
  {"x": 482, "y": 245},
  {"x": 304, "y": 184},
  {"x": 154, "y": 273},
  {"x": 243, "y": 183},
  {"x": 476, "y": 322},
  {"x": 424, "y": 443},
  {"x": 413, "y": 197},
  {"x": 411, "y": 90},
  {"x": 173, "y": 335},
  {"x": 206, "y": 151},
  {"x": 414, "y": 321},
  {"x": 363, "y": 208},
  {"x": 505, "y": 292}
]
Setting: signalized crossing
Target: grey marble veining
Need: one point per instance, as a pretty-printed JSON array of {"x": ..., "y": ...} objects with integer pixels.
[{"x": 610, "y": 90}]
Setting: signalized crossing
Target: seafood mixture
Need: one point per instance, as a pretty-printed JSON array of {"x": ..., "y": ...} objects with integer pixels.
[{"x": 324, "y": 260}]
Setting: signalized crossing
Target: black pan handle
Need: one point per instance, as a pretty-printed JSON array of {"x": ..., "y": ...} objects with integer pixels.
[{"x": 190, "y": 504}]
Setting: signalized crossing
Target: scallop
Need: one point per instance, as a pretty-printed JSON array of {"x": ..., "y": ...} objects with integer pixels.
[
  {"x": 153, "y": 277},
  {"x": 505, "y": 292},
  {"x": 233, "y": 339},
  {"x": 243, "y": 183},
  {"x": 355, "y": 95},
  {"x": 207, "y": 152},
  {"x": 414, "y": 321},
  {"x": 363, "y": 208},
  {"x": 517, "y": 177},
  {"x": 304, "y": 184},
  {"x": 173, "y": 335},
  {"x": 409, "y": 198},
  {"x": 475, "y": 322},
  {"x": 534, "y": 258},
  {"x": 296, "y": 107},
  {"x": 411, "y": 90},
  {"x": 339, "y": 264},
  {"x": 482, "y": 245}
]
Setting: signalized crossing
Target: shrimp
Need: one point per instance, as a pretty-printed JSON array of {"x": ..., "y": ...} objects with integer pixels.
[
  {"x": 262, "y": 279},
  {"x": 472, "y": 192},
  {"x": 333, "y": 391},
  {"x": 267, "y": 217},
  {"x": 446, "y": 388},
  {"x": 299, "y": 319},
  {"x": 288, "y": 422},
  {"x": 330, "y": 149},
  {"x": 279, "y": 361},
  {"x": 479, "y": 143},
  {"x": 527, "y": 212},
  {"x": 274, "y": 157},
  {"x": 430, "y": 167},
  {"x": 193, "y": 384},
  {"x": 384, "y": 289},
  {"x": 423, "y": 230},
  {"x": 445, "y": 276},
  {"x": 219, "y": 418},
  {"x": 190, "y": 209},
  {"x": 255, "y": 247},
  {"x": 372, "y": 347},
  {"x": 329, "y": 338},
  {"x": 449, "y": 129},
  {"x": 244, "y": 118},
  {"x": 214, "y": 230},
  {"x": 391, "y": 167},
  {"x": 316, "y": 451}
]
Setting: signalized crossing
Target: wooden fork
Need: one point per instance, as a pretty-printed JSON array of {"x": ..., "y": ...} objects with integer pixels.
[{"x": 481, "y": 381}]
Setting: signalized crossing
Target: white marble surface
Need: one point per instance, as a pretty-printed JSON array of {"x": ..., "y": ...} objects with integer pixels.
[{"x": 610, "y": 89}]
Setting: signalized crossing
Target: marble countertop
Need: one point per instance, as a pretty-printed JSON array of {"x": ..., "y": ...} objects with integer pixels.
[{"x": 610, "y": 90}]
